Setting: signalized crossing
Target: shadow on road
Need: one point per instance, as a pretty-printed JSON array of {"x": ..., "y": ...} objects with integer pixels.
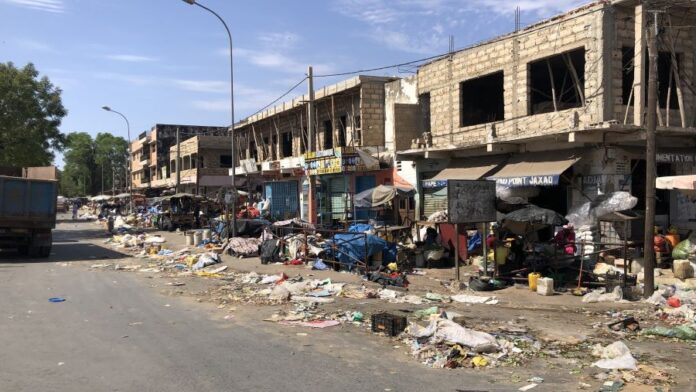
[{"x": 65, "y": 252}]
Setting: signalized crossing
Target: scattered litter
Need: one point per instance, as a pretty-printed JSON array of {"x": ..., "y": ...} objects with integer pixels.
[
  {"x": 474, "y": 299},
  {"x": 528, "y": 387},
  {"x": 614, "y": 356},
  {"x": 313, "y": 324},
  {"x": 683, "y": 332},
  {"x": 479, "y": 361},
  {"x": 205, "y": 260},
  {"x": 600, "y": 296},
  {"x": 56, "y": 299}
]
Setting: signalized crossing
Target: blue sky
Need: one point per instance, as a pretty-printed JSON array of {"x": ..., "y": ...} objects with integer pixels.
[{"x": 164, "y": 61}]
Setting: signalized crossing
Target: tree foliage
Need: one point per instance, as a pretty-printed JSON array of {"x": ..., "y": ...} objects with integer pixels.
[
  {"x": 31, "y": 111},
  {"x": 93, "y": 163}
]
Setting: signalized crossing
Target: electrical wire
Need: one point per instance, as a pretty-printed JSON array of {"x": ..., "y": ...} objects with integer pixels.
[
  {"x": 382, "y": 68},
  {"x": 279, "y": 98}
]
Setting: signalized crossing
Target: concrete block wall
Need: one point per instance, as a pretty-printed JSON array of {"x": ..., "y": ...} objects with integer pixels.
[
  {"x": 685, "y": 45},
  {"x": 362, "y": 96},
  {"x": 372, "y": 113},
  {"x": 406, "y": 123},
  {"x": 511, "y": 54}
]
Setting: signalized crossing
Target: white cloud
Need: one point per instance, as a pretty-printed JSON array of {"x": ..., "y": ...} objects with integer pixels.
[
  {"x": 35, "y": 46},
  {"x": 420, "y": 26},
  {"x": 220, "y": 105},
  {"x": 540, "y": 8},
  {"x": 131, "y": 58},
  {"x": 286, "y": 39},
  {"x": 54, "y": 6},
  {"x": 138, "y": 80},
  {"x": 279, "y": 61},
  {"x": 203, "y": 86}
]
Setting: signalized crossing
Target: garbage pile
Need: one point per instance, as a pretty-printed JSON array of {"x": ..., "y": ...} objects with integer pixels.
[
  {"x": 446, "y": 343},
  {"x": 674, "y": 307}
]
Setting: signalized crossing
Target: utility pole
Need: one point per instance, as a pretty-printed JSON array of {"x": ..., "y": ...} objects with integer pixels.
[
  {"x": 102, "y": 177},
  {"x": 311, "y": 143},
  {"x": 178, "y": 152},
  {"x": 650, "y": 166}
]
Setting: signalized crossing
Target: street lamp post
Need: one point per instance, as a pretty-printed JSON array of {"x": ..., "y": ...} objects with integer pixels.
[
  {"x": 129, "y": 180},
  {"x": 234, "y": 189}
]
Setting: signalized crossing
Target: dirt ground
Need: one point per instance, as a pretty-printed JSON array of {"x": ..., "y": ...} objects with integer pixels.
[{"x": 566, "y": 327}]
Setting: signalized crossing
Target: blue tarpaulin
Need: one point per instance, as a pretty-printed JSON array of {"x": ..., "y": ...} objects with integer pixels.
[
  {"x": 351, "y": 248},
  {"x": 359, "y": 228},
  {"x": 474, "y": 242}
]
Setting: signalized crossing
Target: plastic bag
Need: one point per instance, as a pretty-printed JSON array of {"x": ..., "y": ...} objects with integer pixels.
[
  {"x": 681, "y": 332},
  {"x": 587, "y": 213},
  {"x": 452, "y": 332},
  {"x": 205, "y": 260},
  {"x": 598, "y": 296},
  {"x": 417, "y": 331},
  {"x": 614, "y": 356},
  {"x": 656, "y": 299},
  {"x": 685, "y": 248}
]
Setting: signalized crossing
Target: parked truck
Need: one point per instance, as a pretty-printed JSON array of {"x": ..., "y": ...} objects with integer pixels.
[{"x": 27, "y": 214}]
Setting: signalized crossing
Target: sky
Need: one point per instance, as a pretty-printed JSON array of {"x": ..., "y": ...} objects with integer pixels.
[{"x": 165, "y": 61}]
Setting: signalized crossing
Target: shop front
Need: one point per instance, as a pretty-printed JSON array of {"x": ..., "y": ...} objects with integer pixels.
[
  {"x": 543, "y": 178},
  {"x": 341, "y": 172},
  {"x": 434, "y": 188}
]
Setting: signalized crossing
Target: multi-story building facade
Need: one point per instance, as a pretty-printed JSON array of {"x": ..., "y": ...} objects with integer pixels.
[
  {"x": 204, "y": 163},
  {"x": 150, "y": 154},
  {"x": 349, "y": 119},
  {"x": 555, "y": 113}
]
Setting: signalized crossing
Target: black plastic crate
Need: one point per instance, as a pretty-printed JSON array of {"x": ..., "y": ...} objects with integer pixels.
[{"x": 390, "y": 324}]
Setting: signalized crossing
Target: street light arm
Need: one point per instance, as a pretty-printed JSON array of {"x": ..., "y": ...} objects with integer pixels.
[
  {"x": 233, "y": 220},
  {"x": 229, "y": 37},
  {"x": 127, "y": 123}
]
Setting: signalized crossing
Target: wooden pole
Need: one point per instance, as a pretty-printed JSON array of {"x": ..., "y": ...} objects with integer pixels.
[
  {"x": 650, "y": 168},
  {"x": 553, "y": 86},
  {"x": 456, "y": 249}
]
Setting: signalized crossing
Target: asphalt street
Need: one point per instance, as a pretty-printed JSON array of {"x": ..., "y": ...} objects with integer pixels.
[{"x": 115, "y": 332}]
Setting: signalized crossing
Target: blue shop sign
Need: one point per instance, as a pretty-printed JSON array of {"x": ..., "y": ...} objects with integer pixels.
[
  {"x": 528, "y": 181},
  {"x": 433, "y": 183}
]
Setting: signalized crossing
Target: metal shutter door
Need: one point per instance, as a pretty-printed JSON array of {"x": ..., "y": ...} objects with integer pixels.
[{"x": 434, "y": 199}]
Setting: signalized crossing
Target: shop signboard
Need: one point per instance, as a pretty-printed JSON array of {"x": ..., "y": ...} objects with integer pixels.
[
  {"x": 428, "y": 184},
  {"x": 528, "y": 181},
  {"x": 675, "y": 157},
  {"x": 333, "y": 164},
  {"x": 471, "y": 201}
]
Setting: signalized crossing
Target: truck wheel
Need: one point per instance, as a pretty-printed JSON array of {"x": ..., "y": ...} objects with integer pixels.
[{"x": 44, "y": 251}]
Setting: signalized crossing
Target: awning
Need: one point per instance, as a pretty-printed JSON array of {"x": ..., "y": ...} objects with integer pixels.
[
  {"x": 464, "y": 169},
  {"x": 380, "y": 195},
  {"x": 536, "y": 168},
  {"x": 685, "y": 184}
]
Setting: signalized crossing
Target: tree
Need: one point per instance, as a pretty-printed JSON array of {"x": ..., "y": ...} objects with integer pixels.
[
  {"x": 86, "y": 159},
  {"x": 79, "y": 170},
  {"x": 111, "y": 154},
  {"x": 30, "y": 114}
]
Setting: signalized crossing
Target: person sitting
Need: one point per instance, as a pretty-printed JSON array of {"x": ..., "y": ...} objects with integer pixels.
[{"x": 565, "y": 239}]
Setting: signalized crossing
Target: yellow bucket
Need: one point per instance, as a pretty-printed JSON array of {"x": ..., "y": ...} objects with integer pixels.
[{"x": 533, "y": 277}]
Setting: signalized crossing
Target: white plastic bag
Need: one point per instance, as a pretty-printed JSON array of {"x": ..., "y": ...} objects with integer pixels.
[
  {"x": 452, "y": 332},
  {"x": 597, "y": 296},
  {"x": 614, "y": 356}
]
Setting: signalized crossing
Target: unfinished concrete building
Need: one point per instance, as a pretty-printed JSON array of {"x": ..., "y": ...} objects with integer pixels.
[
  {"x": 348, "y": 116},
  {"x": 557, "y": 110}
]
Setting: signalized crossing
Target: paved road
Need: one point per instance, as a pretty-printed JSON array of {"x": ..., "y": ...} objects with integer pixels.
[{"x": 115, "y": 332}]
